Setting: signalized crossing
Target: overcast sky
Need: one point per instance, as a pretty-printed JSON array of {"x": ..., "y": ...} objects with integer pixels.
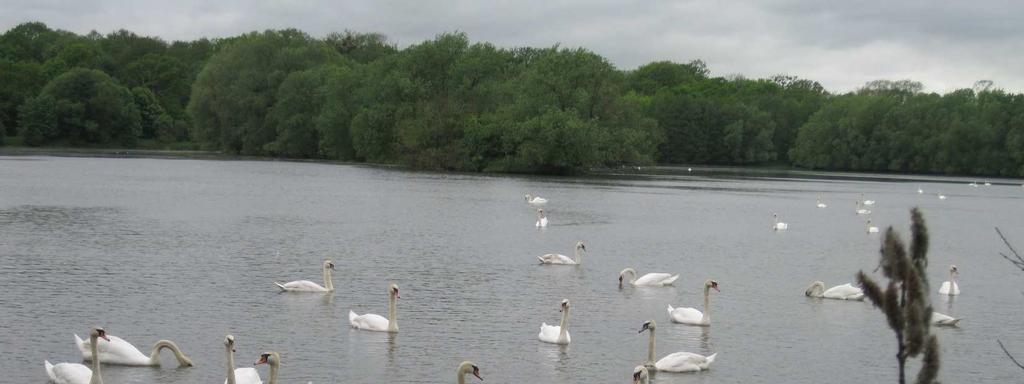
[{"x": 842, "y": 44}]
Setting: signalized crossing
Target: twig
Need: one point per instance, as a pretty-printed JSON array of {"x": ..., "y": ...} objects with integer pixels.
[
  {"x": 1020, "y": 260},
  {"x": 1009, "y": 355}
]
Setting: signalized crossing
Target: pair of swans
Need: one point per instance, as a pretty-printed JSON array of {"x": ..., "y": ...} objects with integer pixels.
[
  {"x": 557, "y": 334},
  {"x": 374, "y": 322},
  {"x": 74, "y": 373},
  {"x": 560, "y": 259},
  {"x": 115, "y": 350},
  {"x": 951, "y": 287},
  {"x": 779, "y": 225},
  {"x": 309, "y": 286},
  {"x": 675, "y": 362},
  {"x": 249, "y": 375},
  {"x": 531, "y": 199},
  {"x": 542, "y": 219},
  {"x": 840, "y": 292},
  {"x": 653, "y": 279},
  {"x": 693, "y": 316}
]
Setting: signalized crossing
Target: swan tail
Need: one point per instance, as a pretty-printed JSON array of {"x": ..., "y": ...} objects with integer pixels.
[
  {"x": 49, "y": 370},
  {"x": 710, "y": 359},
  {"x": 352, "y": 318},
  {"x": 279, "y": 285},
  {"x": 670, "y": 280}
]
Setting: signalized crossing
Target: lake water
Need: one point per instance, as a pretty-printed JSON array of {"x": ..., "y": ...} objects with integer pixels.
[{"x": 188, "y": 250}]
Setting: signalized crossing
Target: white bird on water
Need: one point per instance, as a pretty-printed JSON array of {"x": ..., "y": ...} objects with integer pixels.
[
  {"x": 779, "y": 226},
  {"x": 557, "y": 334},
  {"x": 542, "y": 219},
  {"x": 820, "y": 204},
  {"x": 840, "y": 292},
  {"x": 309, "y": 286},
  {"x": 535, "y": 199},
  {"x": 951, "y": 287},
  {"x": 675, "y": 362},
  {"x": 861, "y": 210},
  {"x": 872, "y": 228},
  {"x": 560, "y": 259},
  {"x": 693, "y": 316}
]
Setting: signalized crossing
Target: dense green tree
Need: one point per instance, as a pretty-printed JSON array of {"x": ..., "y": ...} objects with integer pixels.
[{"x": 90, "y": 108}]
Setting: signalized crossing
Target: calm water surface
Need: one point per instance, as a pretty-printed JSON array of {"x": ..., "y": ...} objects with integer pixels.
[{"x": 189, "y": 250}]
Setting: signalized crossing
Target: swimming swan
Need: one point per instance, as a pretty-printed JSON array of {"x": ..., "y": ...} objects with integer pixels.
[
  {"x": 692, "y": 316},
  {"x": 535, "y": 199},
  {"x": 839, "y": 292},
  {"x": 951, "y": 287},
  {"x": 944, "y": 320},
  {"x": 244, "y": 375},
  {"x": 114, "y": 350},
  {"x": 557, "y": 334},
  {"x": 373, "y": 322},
  {"x": 779, "y": 226},
  {"x": 74, "y": 373},
  {"x": 309, "y": 286},
  {"x": 653, "y": 279},
  {"x": 560, "y": 259},
  {"x": 872, "y": 228},
  {"x": 676, "y": 362},
  {"x": 542, "y": 219}
]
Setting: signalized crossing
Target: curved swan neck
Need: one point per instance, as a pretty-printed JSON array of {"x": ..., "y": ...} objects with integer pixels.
[
  {"x": 154, "y": 355},
  {"x": 231, "y": 364},
  {"x": 392, "y": 318},
  {"x": 96, "y": 377},
  {"x": 632, "y": 274},
  {"x": 327, "y": 279}
]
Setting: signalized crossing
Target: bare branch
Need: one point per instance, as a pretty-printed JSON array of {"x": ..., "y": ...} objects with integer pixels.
[
  {"x": 1009, "y": 355},
  {"x": 1019, "y": 262}
]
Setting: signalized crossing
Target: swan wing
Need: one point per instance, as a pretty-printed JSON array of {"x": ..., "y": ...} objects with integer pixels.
[
  {"x": 369, "y": 321},
  {"x": 656, "y": 278},
  {"x": 684, "y": 362},
  {"x": 685, "y": 315},
  {"x": 247, "y": 375},
  {"x": 949, "y": 288},
  {"x": 116, "y": 351},
  {"x": 555, "y": 258},
  {"x": 69, "y": 373},
  {"x": 549, "y": 333},
  {"x": 301, "y": 286},
  {"x": 844, "y": 292}
]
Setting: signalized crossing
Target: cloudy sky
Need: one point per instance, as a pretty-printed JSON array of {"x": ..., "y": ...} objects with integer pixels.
[{"x": 842, "y": 44}]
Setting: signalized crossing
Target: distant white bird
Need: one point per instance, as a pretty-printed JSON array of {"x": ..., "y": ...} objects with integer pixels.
[
  {"x": 309, "y": 286},
  {"x": 691, "y": 170},
  {"x": 941, "y": 196},
  {"x": 840, "y": 292},
  {"x": 861, "y": 210},
  {"x": 557, "y": 334},
  {"x": 779, "y": 226},
  {"x": 820, "y": 204},
  {"x": 919, "y": 190},
  {"x": 973, "y": 184},
  {"x": 535, "y": 199},
  {"x": 560, "y": 259},
  {"x": 872, "y": 228},
  {"x": 951, "y": 287},
  {"x": 654, "y": 279},
  {"x": 988, "y": 184},
  {"x": 943, "y": 319},
  {"x": 542, "y": 219},
  {"x": 867, "y": 202}
]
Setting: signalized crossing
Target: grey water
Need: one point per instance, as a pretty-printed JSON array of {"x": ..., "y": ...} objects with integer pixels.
[{"x": 188, "y": 250}]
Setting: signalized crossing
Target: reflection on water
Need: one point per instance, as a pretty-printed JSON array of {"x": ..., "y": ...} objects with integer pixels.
[{"x": 189, "y": 250}]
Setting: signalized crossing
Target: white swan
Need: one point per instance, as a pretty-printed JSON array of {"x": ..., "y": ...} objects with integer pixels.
[
  {"x": 820, "y": 204},
  {"x": 941, "y": 196},
  {"x": 840, "y": 292},
  {"x": 560, "y": 259},
  {"x": 692, "y": 316},
  {"x": 640, "y": 375},
  {"x": 373, "y": 322},
  {"x": 872, "y": 228},
  {"x": 114, "y": 350},
  {"x": 653, "y": 279},
  {"x": 466, "y": 368},
  {"x": 274, "y": 361},
  {"x": 309, "y": 286},
  {"x": 988, "y": 184},
  {"x": 861, "y": 210},
  {"x": 676, "y": 362},
  {"x": 557, "y": 334},
  {"x": 244, "y": 375},
  {"x": 535, "y": 199},
  {"x": 951, "y": 287},
  {"x": 542, "y": 219},
  {"x": 74, "y": 373},
  {"x": 973, "y": 184},
  {"x": 944, "y": 320},
  {"x": 867, "y": 202},
  {"x": 920, "y": 191},
  {"x": 779, "y": 226}
]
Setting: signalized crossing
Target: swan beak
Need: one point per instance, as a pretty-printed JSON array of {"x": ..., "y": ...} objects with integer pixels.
[
  {"x": 263, "y": 360},
  {"x": 477, "y": 374}
]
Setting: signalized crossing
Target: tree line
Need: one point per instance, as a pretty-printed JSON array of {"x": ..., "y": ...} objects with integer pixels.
[{"x": 451, "y": 104}]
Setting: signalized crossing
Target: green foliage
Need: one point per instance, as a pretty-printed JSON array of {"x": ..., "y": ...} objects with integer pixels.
[
  {"x": 904, "y": 301},
  {"x": 89, "y": 108},
  {"x": 38, "y": 120}
]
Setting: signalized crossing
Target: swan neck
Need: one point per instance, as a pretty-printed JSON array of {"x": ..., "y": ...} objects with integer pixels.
[
  {"x": 274, "y": 364},
  {"x": 231, "y": 364},
  {"x": 650, "y": 349},
  {"x": 562, "y": 325},
  {"x": 462, "y": 377},
  {"x": 579, "y": 255},
  {"x": 154, "y": 355},
  {"x": 327, "y": 280},
  {"x": 392, "y": 318},
  {"x": 96, "y": 378},
  {"x": 632, "y": 274},
  {"x": 707, "y": 310}
]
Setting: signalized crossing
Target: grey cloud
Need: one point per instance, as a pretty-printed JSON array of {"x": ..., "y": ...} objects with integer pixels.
[{"x": 944, "y": 44}]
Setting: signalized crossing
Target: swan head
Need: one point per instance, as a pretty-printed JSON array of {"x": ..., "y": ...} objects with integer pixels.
[
  {"x": 98, "y": 332},
  {"x": 329, "y": 264},
  {"x": 229, "y": 341},
  {"x": 579, "y": 244},
  {"x": 528, "y": 197},
  {"x": 649, "y": 325},
  {"x": 565, "y": 305},
  {"x": 540, "y": 212},
  {"x": 711, "y": 284},
  {"x": 467, "y": 367},
  {"x": 640, "y": 374},
  {"x": 393, "y": 290},
  {"x": 271, "y": 358},
  {"x": 816, "y": 289},
  {"x": 954, "y": 270}
]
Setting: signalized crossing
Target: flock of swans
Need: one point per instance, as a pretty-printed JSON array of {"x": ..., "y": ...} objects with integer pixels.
[{"x": 102, "y": 348}]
